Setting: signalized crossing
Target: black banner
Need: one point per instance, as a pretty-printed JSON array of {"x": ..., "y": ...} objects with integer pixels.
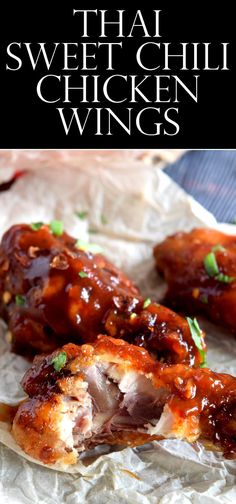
[{"x": 116, "y": 77}]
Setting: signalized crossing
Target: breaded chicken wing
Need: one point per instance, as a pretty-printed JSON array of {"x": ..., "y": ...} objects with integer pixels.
[
  {"x": 200, "y": 269},
  {"x": 115, "y": 393},
  {"x": 53, "y": 291}
]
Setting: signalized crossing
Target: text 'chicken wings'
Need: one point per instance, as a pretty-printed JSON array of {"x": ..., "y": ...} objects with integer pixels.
[
  {"x": 115, "y": 393},
  {"x": 54, "y": 290},
  {"x": 200, "y": 269}
]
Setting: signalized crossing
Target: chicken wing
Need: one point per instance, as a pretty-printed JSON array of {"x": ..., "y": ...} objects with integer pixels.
[
  {"x": 53, "y": 292},
  {"x": 115, "y": 393},
  {"x": 200, "y": 270}
]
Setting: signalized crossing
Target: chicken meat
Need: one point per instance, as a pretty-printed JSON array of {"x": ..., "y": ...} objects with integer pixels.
[
  {"x": 54, "y": 290},
  {"x": 200, "y": 270},
  {"x": 111, "y": 392}
]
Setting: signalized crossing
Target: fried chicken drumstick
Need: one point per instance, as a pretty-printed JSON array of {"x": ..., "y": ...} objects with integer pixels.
[
  {"x": 115, "y": 393},
  {"x": 200, "y": 269},
  {"x": 53, "y": 292}
]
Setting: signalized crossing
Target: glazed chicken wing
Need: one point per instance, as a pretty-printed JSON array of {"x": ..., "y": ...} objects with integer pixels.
[
  {"x": 200, "y": 269},
  {"x": 115, "y": 393},
  {"x": 53, "y": 292}
]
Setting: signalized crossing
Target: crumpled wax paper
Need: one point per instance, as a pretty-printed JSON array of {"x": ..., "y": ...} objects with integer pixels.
[{"x": 141, "y": 205}]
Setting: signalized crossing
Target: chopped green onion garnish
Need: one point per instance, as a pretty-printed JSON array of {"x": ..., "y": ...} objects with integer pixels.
[
  {"x": 224, "y": 278},
  {"x": 211, "y": 265},
  {"x": 146, "y": 303},
  {"x": 83, "y": 274},
  {"x": 93, "y": 230},
  {"x": 36, "y": 225},
  {"x": 212, "y": 268},
  {"x": 197, "y": 338},
  {"x": 59, "y": 361},
  {"x": 217, "y": 248},
  {"x": 104, "y": 219},
  {"x": 20, "y": 300},
  {"x": 90, "y": 247},
  {"x": 56, "y": 227},
  {"x": 82, "y": 215}
]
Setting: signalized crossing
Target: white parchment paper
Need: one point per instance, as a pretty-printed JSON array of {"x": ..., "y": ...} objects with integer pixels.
[{"x": 141, "y": 205}]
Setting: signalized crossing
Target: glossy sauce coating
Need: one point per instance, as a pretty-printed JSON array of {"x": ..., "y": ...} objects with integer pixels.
[
  {"x": 180, "y": 258},
  {"x": 52, "y": 292},
  {"x": 202, "y": 403}
]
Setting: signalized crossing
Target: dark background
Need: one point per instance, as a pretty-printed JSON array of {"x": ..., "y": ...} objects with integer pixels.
[
  {"x": 26, "y": 122},
  {"x": 210, "y": 177}
]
